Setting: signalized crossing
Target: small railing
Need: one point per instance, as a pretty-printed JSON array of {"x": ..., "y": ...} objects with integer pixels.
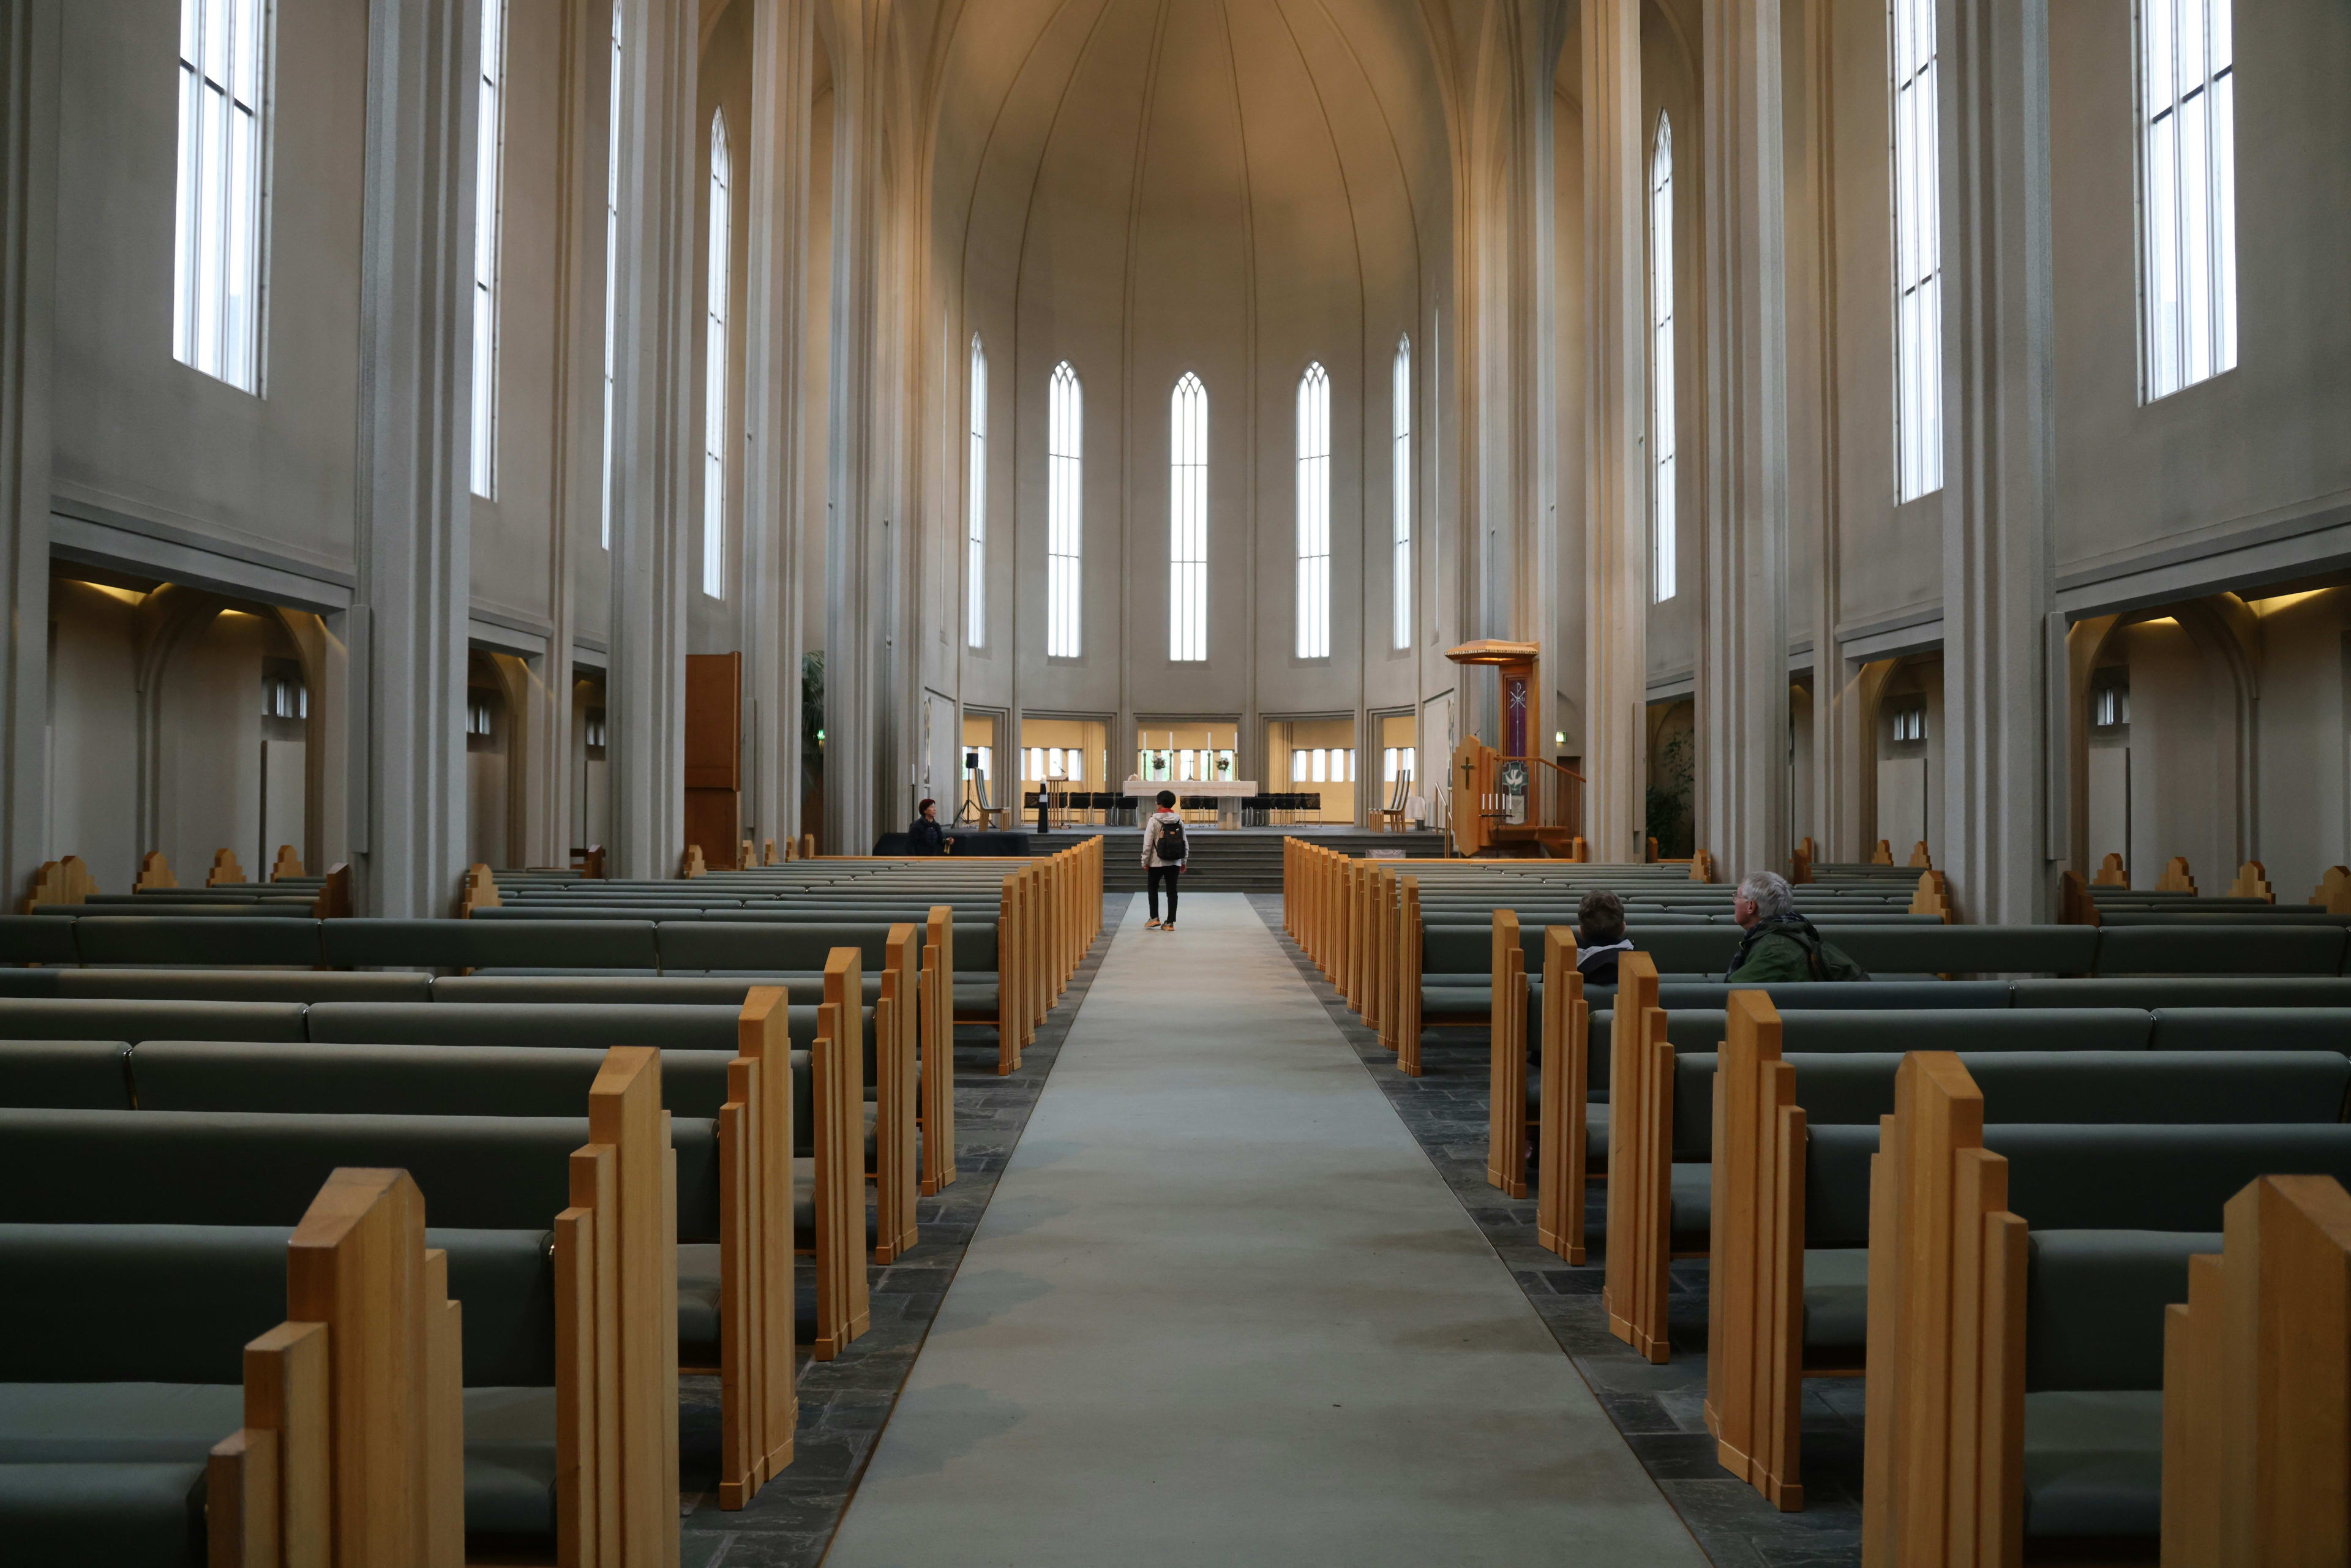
[{"x": 1508, "y": 798}]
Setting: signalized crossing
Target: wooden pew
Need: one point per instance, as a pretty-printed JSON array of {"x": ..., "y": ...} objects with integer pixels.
[
  {"x": 1640, "y": 1162},
  {"x": 2257, "y": 1385},
  {"x": 1506, "y": 1132},
  {"x": 1562, "y": 1132},
  {"x": 353, "y": 1444},
  {"x": 287, "y": 864},
  {"x": 935, "y": 1070},
  {"x": 896, "y": 1026},
  {"x": 1961, "y": 1297},
  {"x": 609, "y": 1331}
]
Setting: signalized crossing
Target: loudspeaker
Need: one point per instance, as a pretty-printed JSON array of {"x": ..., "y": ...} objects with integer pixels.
[{"x": 971, "y": 762}]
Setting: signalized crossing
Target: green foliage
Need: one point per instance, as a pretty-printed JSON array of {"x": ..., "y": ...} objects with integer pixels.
[
  {"x": 1672, "y": 789},
  {"x": 813, "y": 721}
]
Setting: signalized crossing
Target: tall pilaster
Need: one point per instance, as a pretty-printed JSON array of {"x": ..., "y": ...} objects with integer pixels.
[
  {"x": 776, "y": 319},
  {"x": 654, "y": 442},
  {"x": 1997, "y": 377},
  {"x": 856, "y": 558},
  {"x": 407, "y": 625},
  {"x": 29, "y": 229},
  {"x": 1742, "y": 674},
  {"x": 1616, "y": 466}
]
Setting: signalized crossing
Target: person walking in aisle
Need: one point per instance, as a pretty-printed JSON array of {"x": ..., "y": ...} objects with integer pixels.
[{"x": 1164, "y": 854}]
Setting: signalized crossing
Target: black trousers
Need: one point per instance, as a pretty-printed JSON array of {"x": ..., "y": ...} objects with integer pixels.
[{"x": 1153, "y": 877}]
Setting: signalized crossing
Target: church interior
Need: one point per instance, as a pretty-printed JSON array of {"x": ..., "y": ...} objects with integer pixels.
[{"x": 676, "y": 581}]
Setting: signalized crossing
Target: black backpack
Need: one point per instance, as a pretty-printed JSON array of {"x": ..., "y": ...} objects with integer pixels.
[
  {"x": 1828, "y": 962},
  {"x": 1170, "y": 847}
]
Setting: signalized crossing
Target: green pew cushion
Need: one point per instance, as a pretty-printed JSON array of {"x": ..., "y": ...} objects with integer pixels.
[
  {"x": 801, "y": 985},
  {"x": 243, "y": 985},
  {"x": 176, "y": 941},
  {"x": 975, "y": 998},
  {"x": 2252, "y": 1028},
  {"x": 678, "y": 1027},
  {"x": 397, "y": 1079},
  {"x": 2084, "y": 1177},
  {"x": 1836, "y": 1298},
  {"x": 2234, "y": 948},
  {"x": 698, "y": 1295},
  {"x": 665, "y": 990},
  {"x": 2094, "y": 1300},
  {"x": 174, "y": 1168},
  {"x": 483, "y": 944},
  {"x": 2094, "y": 1086},
  {"x": 64, "y": 1075},
  {"x": 2093, "y": 1463},
  {"x": 1693, "y": 1199},
  {"x": 2159, "y": 991},
  {"x": 38, "y": 939},
  {"x": 41, "y": 1017},
  {"x": 558, "y": 909},
  {"x": 124, "y": 1515},
  {"x": 694, "y": 945},
  {"x": 1471, "y": 999},
  {"x": 510, "y": 1460},
  {"x": 1971, "y": 949}
]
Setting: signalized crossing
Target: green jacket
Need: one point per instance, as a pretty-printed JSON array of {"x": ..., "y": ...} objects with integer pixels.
[
  {"x": 1770, "y": 958},
  {"x": 1781, "y": 950}
]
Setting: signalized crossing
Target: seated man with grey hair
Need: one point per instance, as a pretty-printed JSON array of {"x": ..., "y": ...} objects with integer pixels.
[{"x": 1779, "y": 944}]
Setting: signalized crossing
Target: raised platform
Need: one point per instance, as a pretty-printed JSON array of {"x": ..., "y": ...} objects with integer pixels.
[{"x": 1234, "y": 860}]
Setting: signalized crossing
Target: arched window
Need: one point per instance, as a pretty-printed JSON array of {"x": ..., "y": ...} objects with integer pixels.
[
  {"x": 1400, "y": 483},
  {"x": 1917, "y": 255},
  {"x": 1663, "y": 536},
  {"x": 216, "y": 253},
  {"x": 1188, "y": 521},
  {"x": 488, "y": 162},
  {"x": 713, "y": 370},
  {"x": 976, "y": 522},
  {"x": 1314, "y": 513},
  {"x": 2187, "y": 108},
  {"x": 612, "y": 267},
  {"x": 1065, "y": 430}
]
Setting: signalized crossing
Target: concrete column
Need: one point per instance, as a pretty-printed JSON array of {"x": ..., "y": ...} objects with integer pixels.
[
  {"x": 1616, "y": 454},
  {"x": 654, "y": 446},
  {"x": 856, "y": 556},
  {"x": 783, "y": 44},
  {"x": 409, "y": 614},
  {"x": 1743, "y": 664},
  {"x": 28, "y": 208},
  {"x": 2000, "y": 828}
]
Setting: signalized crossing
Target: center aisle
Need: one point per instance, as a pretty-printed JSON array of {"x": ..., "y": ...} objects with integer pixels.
[{"x": 1222, "y": 1310}]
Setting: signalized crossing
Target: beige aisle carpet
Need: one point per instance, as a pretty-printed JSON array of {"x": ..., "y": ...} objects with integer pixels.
[{"x": 1222, "y": 1310}]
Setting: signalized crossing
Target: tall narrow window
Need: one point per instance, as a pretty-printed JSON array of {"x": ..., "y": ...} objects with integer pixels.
[
  {"x": 2187, "y": 99},
  {"x": 1664, "y": 534},
  {"x": 216, "y": 253},
  {"x": 1188, "y": 521},
  {"x": 1400, "y": 484},
  {"x": 1065, "y": 429},
  {"x": 714, "y": 371},
  {"x": 612, "y": 267},
  {"x": 488, "y": 162},
  {"x": 1314, "y": 513},
  {"x": 975, "y": 521},
  {"x": 1918, "y": 253}
]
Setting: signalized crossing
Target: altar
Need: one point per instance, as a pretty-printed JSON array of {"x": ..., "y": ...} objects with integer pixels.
[{"x": 1229, "y": 793}]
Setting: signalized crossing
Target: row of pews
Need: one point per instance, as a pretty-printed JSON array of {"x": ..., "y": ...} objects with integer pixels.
[
  {"x": 2087, "y": 1231},
  {"x": 493, "y": 1216}
]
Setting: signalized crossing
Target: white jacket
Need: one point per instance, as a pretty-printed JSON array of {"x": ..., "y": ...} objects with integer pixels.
[{"x": 1151, "y": 839}]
